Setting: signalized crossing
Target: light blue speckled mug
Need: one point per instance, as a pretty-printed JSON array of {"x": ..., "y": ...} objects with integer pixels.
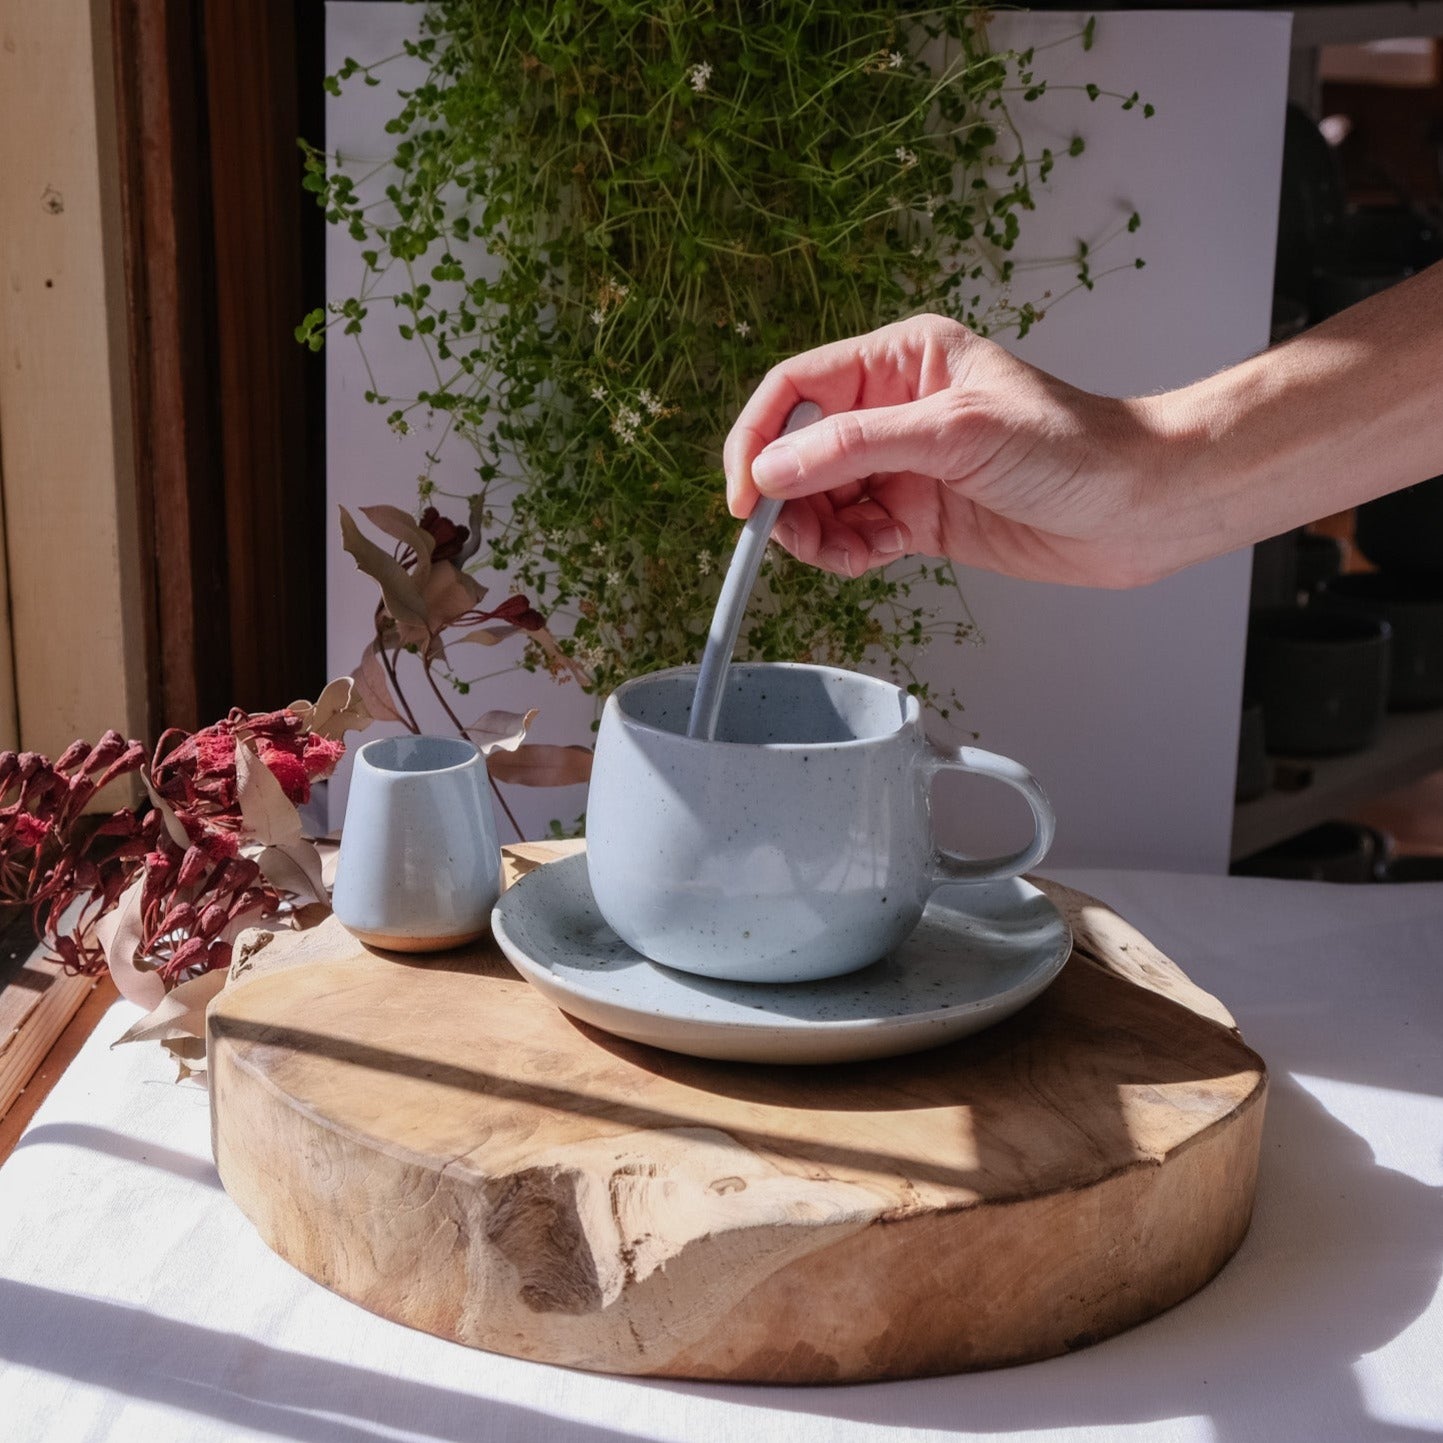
[
  {"x": 795, "y": 846},
  {"x": 420, "y": 864}
]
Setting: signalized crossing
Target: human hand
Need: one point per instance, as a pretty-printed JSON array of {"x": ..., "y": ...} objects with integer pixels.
[{"x": 940, "y": 442}]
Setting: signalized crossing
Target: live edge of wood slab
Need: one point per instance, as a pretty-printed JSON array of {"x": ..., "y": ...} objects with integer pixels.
[{"x": 432, "y": 1139}]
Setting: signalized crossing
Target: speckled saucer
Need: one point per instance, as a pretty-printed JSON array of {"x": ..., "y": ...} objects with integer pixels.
[{"x": 979, "y": 954}]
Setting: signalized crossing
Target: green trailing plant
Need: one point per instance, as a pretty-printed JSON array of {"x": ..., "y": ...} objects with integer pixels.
[{"x": 604, "y": 220}]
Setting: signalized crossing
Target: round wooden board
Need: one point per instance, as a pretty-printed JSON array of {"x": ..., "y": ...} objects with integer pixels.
[{"x": 432, "y": 1139}]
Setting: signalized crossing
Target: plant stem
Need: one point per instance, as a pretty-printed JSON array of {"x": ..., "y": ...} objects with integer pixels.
[
  {"x": 461, "y": 732},
  {"x": 396, "y": 691},
  {"x": 516, "y": 826}
]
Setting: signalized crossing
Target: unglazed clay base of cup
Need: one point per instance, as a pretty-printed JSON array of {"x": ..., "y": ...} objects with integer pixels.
[{"x": 415, "y": 944}]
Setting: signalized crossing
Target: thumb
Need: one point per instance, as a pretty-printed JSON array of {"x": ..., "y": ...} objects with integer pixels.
[{"x": 857, "y": 444}]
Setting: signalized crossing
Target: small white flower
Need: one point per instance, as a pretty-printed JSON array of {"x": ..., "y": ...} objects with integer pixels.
[
  {"x": 613, "y": 578},
  {"x": 699, "y": 77},
  {"x": 598, "y": 316},
  {"x": 916, "y": 250},
  {"x": 598, "y": 393},
  {"x": 598, "y": 550},
  {"x": 933, "y": 201},
  {"x": 743, "y": 329},
  {"x": 652, "y": 406},
  {"x": 703, "y": 563},
  {"x": 626, "y": 423},
  {"x": 620, "y": 292},
  {"x": 896, "y": 60},
  {"x": 905, "y": 158}
]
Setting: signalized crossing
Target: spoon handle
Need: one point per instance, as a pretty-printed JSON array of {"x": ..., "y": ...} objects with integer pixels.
[{"x": 741, "y": 577}]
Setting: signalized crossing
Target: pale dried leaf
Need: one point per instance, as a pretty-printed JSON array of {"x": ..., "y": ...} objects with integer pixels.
[
  {"x": 488, "y": 635},
  {"x": 449, "y": 593},
  {"x": 268, "y": 813},
  {"x": 119, "y": 934},
  {"x": 538, "y": 765},
  {"x": 339, "y": 709},
  {"x": 374, "y": 687},
  {"x": 403, "y": 526},
  {"x": 173, "y": 828},
  {"x": 243, "y": 922},
  {"x": 504, "y": 731},
  {"x": 189, "y": 1055},
  {"x": 179, "y": 1013},
  {"x": 400, "y": 589},
  {"x": 295, "y": 868}
]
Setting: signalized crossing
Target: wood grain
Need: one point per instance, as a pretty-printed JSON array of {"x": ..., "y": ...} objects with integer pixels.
[
  {"x": 35, "y": 1008},
  {"x": 94, "y": 1001},
  {"x": 270, "y": 388},
  {"x": 165, "y": 203},
  {"x": 433, "y": 1140},
  {"x": 72, "y": 548}
]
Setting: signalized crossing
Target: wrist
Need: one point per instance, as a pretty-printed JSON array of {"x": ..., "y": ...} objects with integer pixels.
[{"x": 1165, "y": 482}]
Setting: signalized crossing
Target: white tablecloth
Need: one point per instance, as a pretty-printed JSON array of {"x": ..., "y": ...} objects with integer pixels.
[{"x": 136, "y": 1303}]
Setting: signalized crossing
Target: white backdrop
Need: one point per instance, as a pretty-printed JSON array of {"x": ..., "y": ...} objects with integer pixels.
[{"x": 1124, "y": 704}]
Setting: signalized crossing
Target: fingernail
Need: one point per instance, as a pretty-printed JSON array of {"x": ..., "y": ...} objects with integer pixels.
[
  {"x": 776, "y": 468},
  {"x": 838, "y": 558},
  {"x": 888, "y": 541}
]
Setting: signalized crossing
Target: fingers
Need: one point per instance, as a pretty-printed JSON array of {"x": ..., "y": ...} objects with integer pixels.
[
  {"x": 830, "y": 376},
  {"x": 883, "y": 534},
  {"x": 847, "y": 541},
  {"x": 919, "y": 436},
  {"x": 884, "y": 368}
]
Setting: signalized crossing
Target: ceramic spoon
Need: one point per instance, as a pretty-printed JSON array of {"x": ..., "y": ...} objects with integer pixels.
[{"x": 736, "y": 590}]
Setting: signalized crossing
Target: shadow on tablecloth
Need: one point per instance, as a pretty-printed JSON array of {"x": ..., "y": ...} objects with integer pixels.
[{"x": 1344, "y": 1254}]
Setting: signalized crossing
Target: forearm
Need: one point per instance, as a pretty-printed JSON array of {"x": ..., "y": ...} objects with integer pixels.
[{"x": 1348, "y": 411}]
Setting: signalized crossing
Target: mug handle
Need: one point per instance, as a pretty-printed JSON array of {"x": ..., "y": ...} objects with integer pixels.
[{"x": 948, "y": 866}]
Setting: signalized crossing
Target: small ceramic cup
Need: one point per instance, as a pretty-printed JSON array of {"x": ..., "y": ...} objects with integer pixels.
[
  {"x": 798, "y": 844},
  {"x": 420, "y": 864}
]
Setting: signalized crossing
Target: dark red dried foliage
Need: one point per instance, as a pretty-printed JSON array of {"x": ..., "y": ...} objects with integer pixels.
[{"x": 70, "y": 868}]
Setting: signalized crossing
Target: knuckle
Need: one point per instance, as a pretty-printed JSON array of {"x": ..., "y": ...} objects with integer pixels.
[
  {"x": 960, "y": 428},
  {"x": 849, "y": 438},
  {"x": 941, "y": 328}
]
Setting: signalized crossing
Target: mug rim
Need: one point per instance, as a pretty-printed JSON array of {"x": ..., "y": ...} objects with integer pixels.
[
  {"x": 378, "y": 742},
  {"x": 911, "y": 716}
]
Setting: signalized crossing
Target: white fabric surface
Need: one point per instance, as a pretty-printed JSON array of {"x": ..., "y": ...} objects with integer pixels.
[{"x": 136, "y": 1303}]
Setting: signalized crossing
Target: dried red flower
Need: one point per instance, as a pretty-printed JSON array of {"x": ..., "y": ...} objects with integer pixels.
[
  {"x": 449, "y": 537},
  {"x": 70, "y": 868}
]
